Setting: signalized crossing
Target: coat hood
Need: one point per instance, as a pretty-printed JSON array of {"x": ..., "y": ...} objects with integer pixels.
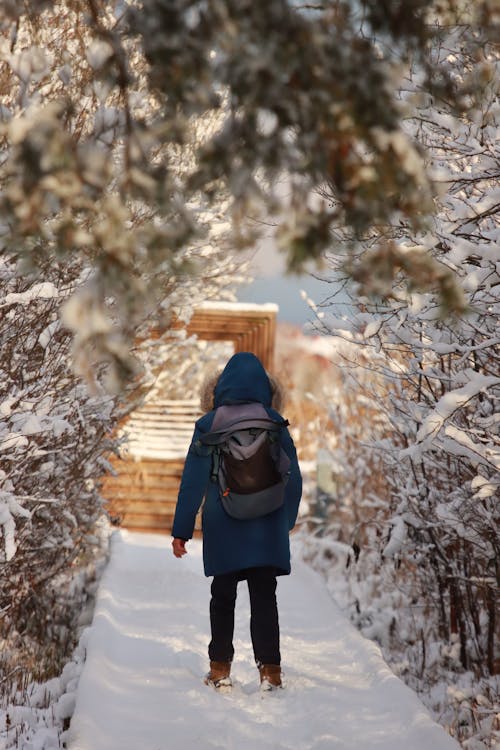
[
  {"x": 207, "y": 393},
  {"x": 243, "y": 380}
]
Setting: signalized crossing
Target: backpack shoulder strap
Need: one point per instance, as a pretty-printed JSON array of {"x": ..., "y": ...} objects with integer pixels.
[{"x": 232, "y": 417}]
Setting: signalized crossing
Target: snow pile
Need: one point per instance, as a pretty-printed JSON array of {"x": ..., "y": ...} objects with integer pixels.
[{"x": 37, "y": 718}]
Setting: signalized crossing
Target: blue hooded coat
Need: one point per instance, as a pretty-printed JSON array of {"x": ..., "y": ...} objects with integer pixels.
[{"x": 229, "y": 544}]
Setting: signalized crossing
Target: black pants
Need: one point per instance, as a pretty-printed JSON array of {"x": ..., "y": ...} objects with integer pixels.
[{"x": 264, "y": 624}]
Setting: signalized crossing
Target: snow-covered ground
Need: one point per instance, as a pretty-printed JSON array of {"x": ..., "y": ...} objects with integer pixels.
[{"x": 142, "y": 687}]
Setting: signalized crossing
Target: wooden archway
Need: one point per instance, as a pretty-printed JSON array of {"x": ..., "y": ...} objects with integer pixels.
[
  {"x": 142, "y": 493},
  {"x": 251, "y": 328}
]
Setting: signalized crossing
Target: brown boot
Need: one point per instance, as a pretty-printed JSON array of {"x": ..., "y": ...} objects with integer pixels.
[
  {"x": 270, "y": 676},
  {"x": 219, "y": 675}
]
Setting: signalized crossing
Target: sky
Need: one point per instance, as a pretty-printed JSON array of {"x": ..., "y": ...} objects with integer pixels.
[{"x": 272, "y": 284}]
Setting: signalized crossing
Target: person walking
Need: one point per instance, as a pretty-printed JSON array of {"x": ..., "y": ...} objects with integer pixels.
[{"x": 255, "y": 550}]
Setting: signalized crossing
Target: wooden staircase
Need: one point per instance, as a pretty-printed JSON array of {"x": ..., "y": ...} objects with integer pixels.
[{"x": 143, "y": 492}]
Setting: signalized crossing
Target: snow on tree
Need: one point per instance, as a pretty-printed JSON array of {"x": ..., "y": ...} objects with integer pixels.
[
  {"x": 442, "y": 454},
  {"x": 52, "y": 435},
  {"x": 88, "y": 172},
  {"x": 54, "y": 430},
  {"x": 95, "y": 127}
]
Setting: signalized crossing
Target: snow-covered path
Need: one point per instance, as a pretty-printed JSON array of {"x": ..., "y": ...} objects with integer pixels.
[{"x": 142, "y": 689}]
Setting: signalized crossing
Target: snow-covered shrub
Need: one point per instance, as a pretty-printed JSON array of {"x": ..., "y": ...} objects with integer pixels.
[
  {"x": 52, "y": 437},
  {"x": 440, "y": 517},
  {"x": 85, "y": 250},
  {"x": 380, "y": 579},
  {"x": 37, "y": 714},
  {"x": 93, "y": 241},
  {"x": 334, "y": 407}
]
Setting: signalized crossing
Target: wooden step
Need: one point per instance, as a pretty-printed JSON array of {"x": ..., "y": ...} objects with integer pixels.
[
  {"x": 142, "y": 521},
  {"x": 145, "y": 520},
  {"x": 138, "y": 507},
  {"x": 123, "y": 499},
  {"x": 160, "y": 484},
  {"x": 151, "y": 466}
]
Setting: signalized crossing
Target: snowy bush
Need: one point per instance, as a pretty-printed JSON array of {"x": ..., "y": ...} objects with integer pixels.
[
  {"x": 64, "y": 210},
  {"x": 52, "y": 436},
  {"x": 38, "y": 713},
  {"x": 88, "y": 174},
  {"x": 438, "y": 543}
]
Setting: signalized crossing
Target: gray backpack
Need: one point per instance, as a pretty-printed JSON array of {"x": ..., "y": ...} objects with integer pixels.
[{"x": 248, "y": 462}]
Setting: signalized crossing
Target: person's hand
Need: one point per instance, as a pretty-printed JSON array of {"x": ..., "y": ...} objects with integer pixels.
[{"x": 179, "y": 547}]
